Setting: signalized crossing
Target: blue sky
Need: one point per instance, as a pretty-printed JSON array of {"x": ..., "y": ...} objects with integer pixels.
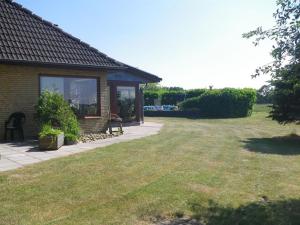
[{"x": 189, "y": 43}]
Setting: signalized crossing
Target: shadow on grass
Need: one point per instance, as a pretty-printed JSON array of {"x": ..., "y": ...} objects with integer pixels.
[
  {"x": 284, "y": 212},
  {"x": 264, "y": 212},
  {"x": 285, "y": 145}
]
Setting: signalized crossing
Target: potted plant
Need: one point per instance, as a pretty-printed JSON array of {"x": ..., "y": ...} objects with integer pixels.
[
  {"x": 53, "y": 110},
  {"x": 71, "y": 139},
  {"x": 50, "y": 138}
]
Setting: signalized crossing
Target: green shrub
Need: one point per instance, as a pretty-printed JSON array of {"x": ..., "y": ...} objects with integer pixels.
[
  {"x": 53, "y": 110},
  {"x": 150, "y": 97},
  {"x": 224, "y": 103},
  {"x": 71, "y": 137},
  {"x": 195, "y": 93},
  {"x": 172, "y": 97},
  {"x": 178, "y": 114},
  {"x": 48, "y": 130}
]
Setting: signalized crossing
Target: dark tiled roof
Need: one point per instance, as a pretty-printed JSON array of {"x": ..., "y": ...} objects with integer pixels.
[
  {"x": 27, "y": 38},
  {"x": 148, "y": 76}
]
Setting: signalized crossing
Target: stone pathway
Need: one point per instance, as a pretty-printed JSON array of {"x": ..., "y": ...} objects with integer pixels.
[{"x": 16, "y": 155}]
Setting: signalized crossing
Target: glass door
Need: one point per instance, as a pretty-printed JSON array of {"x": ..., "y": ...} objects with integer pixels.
[{"x": 126, "y": 103}]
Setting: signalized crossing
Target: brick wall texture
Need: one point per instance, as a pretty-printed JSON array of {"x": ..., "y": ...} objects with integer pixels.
[{"x": 19, "y": 91}]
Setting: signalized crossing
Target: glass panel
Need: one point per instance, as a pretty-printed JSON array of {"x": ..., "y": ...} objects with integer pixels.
[
  {"x": 81, "y": 93},
  {"x": 126, "y": 102},
  {"x": 52, "y": 84}
]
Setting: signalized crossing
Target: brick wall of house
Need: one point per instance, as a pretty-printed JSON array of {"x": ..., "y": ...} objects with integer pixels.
[{"x": 19, "y": 91}]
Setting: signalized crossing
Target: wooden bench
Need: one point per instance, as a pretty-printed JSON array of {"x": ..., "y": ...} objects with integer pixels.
[{"x": 115, "y": 121}]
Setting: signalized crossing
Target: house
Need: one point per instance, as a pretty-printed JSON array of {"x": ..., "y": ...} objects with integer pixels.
[
  {"x": 126, "y": 96},
  {"x": 36, "y": 55}
]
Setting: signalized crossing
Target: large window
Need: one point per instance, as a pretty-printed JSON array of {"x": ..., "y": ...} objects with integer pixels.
[
  {"x": 81, "y": 93},
  {"x": 126, "y": 102}
]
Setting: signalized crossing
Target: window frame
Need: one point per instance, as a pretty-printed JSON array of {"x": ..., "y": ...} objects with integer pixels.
[{"x": 98, "y": 115}]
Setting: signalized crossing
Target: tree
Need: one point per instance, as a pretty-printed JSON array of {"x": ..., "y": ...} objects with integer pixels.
[
  {"x": 285, "y": 69},
  {"x": 264, "y": 95},
  {"x": 152, "y": 87}
]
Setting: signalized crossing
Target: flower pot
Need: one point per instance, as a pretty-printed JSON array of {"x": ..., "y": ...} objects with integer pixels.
[
  {"x": 51, "y": 142},
  {"x": 69, "y": 142}
]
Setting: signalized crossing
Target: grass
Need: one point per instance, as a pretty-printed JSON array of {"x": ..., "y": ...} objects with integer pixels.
[{"x": 225, "y": 171}]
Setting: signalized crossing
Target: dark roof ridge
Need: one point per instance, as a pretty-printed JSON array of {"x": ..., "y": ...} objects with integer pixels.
[{"x": 48, "y": 23}]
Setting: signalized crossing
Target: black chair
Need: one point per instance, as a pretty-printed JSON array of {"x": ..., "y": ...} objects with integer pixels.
[{"x": 15, "y": 123}]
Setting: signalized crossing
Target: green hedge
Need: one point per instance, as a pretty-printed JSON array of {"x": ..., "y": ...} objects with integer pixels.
[
  {"x": 172, "y": 97},
  {"x": 195, "y": 93},
  {"x": 185, "y": 114},
  {"x": 223, "y": 103},
  {"x": 150, "y": 96}
]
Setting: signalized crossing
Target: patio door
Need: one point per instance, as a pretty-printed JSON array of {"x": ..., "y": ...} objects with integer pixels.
[{"x": 126, "y": 102}]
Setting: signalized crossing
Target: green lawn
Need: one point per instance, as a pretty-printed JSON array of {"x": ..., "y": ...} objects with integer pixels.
[{"x": 227, "y": 171}]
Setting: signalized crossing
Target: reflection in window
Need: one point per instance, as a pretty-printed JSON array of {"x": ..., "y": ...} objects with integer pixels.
[
  {"x": 126, "y": 102},
  {"x": 81, "y": 93}
]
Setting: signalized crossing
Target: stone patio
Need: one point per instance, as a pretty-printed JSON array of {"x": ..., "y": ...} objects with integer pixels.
[{"x": 16, "y": 155}]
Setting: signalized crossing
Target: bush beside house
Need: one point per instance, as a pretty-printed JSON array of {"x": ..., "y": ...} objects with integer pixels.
[{"x": 53, "y": 110}]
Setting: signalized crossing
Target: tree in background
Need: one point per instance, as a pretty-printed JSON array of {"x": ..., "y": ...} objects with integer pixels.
[
  {"x": 152, "y": 87},
  {"x": 264, "y": 95},
  {"x": 176, "y": 89},
  {"x": 157, "y": 87},
  {"x": 285, "y": 69}
]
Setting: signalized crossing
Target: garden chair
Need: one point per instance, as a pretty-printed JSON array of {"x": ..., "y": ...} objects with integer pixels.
[{"x": 15, "y": 123}]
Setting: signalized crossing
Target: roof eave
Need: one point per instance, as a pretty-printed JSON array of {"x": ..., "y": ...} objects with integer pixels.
[
  {"x": 148, "y": 76},
  {"x": 68, "y": 65}
]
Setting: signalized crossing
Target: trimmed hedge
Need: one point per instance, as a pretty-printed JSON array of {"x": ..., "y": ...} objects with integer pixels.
[
  {"x": 185, "y": 114},
  {"x": 150, "y": 96},
  {"x": 223, "y": 103},
  {"x": 195, "y": 93},
  {"x": 172, "y": 97}
]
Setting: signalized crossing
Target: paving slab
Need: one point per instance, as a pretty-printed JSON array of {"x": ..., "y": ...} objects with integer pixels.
[{"x": 16, "y": 155}]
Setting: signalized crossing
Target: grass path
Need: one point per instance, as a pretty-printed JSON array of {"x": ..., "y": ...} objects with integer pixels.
[{"x": 214, "y": 170}]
